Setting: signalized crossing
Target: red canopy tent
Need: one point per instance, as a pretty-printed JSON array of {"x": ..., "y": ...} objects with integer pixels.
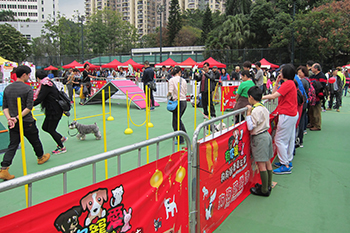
[
  {"x": 113, "y": 64},
  {"x": 74, "y": 64},
  {"x": 267, "y": 64},
  {"x": 212, "y": 62},
  {"x": 134, "y": 64},
  {"x": 92, "y": 66},
  {"x": 51, "y": 68},
  {"x": 347, "y": 66},
  {"x": 188, "y": 63},
  {"x": 167, "y": 63}
]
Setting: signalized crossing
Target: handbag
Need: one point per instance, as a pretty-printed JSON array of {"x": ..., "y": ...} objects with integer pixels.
[
  {"x": 172, "y": 104},
  {"x": 152, "y": 85}
]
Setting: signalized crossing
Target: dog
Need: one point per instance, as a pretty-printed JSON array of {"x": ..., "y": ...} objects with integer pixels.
[
  {"x": 85, "y": 129},
  {"x": 94, "y": 201},
  {"x": 68, "y": 221},
  {"x": 170, "y": 207}
]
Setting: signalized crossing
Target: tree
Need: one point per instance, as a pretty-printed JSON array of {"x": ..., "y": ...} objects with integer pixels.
[
  {"x": 174, "y": 21},
  {"x": 192, "y": 18},
  {"x": 107, "y": 33},
  {"x": 234, "y": 7},
  {"x": 261, "y": 14},
  {"x": 232, "y": 34},
  {"x": 188, "y": 36},
  {"x": 6, "y": 16},
  {"x": 13, "y": 45},
  {"x": 207, "y": 24}
]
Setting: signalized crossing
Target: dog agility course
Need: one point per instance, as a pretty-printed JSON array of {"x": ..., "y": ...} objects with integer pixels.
[{"x": 168, "y": 169}]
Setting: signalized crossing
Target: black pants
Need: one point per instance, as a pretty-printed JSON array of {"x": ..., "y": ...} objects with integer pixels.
[
  {"x": 301, "y": 127},
  {"x": 50, "y": 127},
  {"x": 70, "y": 91},
  {"x": 31, "y": 133},
  {"x": 183, "y": 106},
  {"x": 150, "y": 94},
  {"x": 337, "y": 95},
  {"x": 205, "y": 105}
]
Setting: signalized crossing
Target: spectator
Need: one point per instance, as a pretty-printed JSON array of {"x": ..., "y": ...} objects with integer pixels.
[
  {"x": 162, "y": 73},
  {"x": 288, "y": 115},
  {"x": 25, "y": 92},
  {"x": 148, "y": 76},
  {"x": 347, "y": 81},
  {"x": 247, "y": 65},
  {"x": 259, "y": 77},
  {"x": 335, "y": 90},
  {"x": 86, "y": 83},
  {"x": 47, "y": 94},
  {"x": 258, "y": 122},
  {"x": 70, "y": 82},
  {"x": 224, "y": 75},
  {"x": 173, "y": 92},
  {"x": 236, "y": 74},
  {"x": 318, "y": 79},
  {"x": 204, "y": 78},
  {"x": 51, "y": 76}
]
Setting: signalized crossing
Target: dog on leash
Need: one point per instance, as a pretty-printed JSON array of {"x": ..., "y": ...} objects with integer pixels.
[{"x": 85, "y": 129}]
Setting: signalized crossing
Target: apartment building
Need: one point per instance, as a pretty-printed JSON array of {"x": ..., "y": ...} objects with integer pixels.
[
  {"x": 144, "y": 14},
  {"x": 31, "y": 10}
]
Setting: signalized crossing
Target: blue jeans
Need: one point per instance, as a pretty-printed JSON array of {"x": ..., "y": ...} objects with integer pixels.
[{"x": 346, "y": 89}]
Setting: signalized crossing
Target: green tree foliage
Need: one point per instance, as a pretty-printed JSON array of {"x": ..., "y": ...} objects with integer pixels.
[
  {"x": 192, "y": 18},
  {"x": 232, "y": 34},
  {"x": 7, "y": 15},
  {"x": 261, "y": 14},
  {"x": 13, "y": 45},
  {"x": 107, "y": 33},
  {"x": 174, "y": 21},
  {"x": 234, "y": 7},
  {"x": 188, "y": 36},
  {"x": 207, "y": 24},
  {"x": 325, "y": 32}
]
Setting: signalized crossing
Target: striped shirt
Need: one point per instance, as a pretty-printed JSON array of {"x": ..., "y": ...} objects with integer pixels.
[{"x": 14, "y": 90}]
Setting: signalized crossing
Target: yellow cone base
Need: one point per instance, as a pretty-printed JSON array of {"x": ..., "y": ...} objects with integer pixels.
[
  {"x": 150, "y": 125},
  {"x": 128, "y": 131},
  {"x": 110, "y": 118}
]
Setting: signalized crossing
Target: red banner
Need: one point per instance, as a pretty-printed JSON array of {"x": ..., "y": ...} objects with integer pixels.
[
  {"x": 97, "y": 85},
  {"x": 152, "y": 198},
  {"x": 229, "y": 93},
  {"x": 230, "y": 172}
]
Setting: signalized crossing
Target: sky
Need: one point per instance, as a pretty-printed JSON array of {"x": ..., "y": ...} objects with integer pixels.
[{"x": 67, "y": 7}]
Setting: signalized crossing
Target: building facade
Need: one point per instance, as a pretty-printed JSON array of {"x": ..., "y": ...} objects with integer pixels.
[
  {"x": 145, "y": 14},
  {"x": 31, "y": 10}
]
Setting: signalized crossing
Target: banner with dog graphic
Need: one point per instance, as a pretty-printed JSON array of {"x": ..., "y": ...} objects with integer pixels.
[
  {"x": 152, "y": 198},
  {"x": 226, "y": 175},
  {"x": 229, "y": 97}
]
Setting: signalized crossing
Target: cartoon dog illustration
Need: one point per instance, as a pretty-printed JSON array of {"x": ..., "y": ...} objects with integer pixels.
[
  {"x": 94, "y": 201},
  {"x": 170, "y": 207},
  {"x": 68, "y": 221}
]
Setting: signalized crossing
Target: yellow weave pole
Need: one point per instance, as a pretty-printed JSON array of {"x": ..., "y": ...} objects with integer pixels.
[
  {"x": 110, "y": 118},
  {"x": 104, "y": 130},
  {"x": 215, "y": 91},
  {"x": 128, "y": 130},
  {"x": 1, "y": 113},
  {"x": 209, "y": 104},
  {"x": 195, "y": 105},
  {"x": 178, "y": 114},
  {"x": 21, "y": 133},
  {"x": 147, "y": 112},
  {"x": 222, "y": 102},
  {"x": 149, "y": 123},
  {"x": 74, "y": 106}
]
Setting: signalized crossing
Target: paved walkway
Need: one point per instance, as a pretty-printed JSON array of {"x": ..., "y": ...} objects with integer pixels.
[{"x": 315, "y": 197}]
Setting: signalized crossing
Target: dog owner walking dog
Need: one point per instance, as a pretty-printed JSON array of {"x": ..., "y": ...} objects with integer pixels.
[
  {"x": 47, "y": 94},
  {"x": 25, "y": 92}
]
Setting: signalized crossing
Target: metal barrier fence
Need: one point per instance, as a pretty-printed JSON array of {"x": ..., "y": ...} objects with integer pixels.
[{"x": 63, "y": 169}]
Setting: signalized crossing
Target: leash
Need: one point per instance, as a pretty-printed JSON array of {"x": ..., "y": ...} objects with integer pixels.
[{"x": 72, "y": 135}]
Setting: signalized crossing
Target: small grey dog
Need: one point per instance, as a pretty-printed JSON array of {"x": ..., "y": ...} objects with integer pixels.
[{"x": 85, "y": 129}]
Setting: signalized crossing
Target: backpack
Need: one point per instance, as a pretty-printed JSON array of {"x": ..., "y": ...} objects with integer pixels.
[
  {"x": 63, "y": 100},
  {"x": 311, "y": 94}
]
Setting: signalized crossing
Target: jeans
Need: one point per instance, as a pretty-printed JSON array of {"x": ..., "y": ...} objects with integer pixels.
[
  {"x": 31, "y": 133},
  {"x": 183, "y": 106},
  {"x": 205, "y": 105},
  {"x": 346, "y": 89}
]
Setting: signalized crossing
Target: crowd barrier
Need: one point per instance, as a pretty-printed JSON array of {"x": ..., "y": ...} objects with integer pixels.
[{"x": 159, "y": 189}]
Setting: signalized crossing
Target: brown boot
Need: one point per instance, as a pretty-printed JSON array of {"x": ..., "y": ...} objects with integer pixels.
[
  {"x": 5, "y": 175},
  {"x": 44, "y": 158}
]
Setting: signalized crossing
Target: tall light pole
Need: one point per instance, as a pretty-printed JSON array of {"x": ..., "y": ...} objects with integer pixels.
[
  {"x": 161, "y": 8},
  {"x": 81, "y": 19},
  {"x": 292, "y": 55}
]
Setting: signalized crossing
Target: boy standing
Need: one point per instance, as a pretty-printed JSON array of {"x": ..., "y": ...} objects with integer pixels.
[{"x": 258, "y": 121}]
